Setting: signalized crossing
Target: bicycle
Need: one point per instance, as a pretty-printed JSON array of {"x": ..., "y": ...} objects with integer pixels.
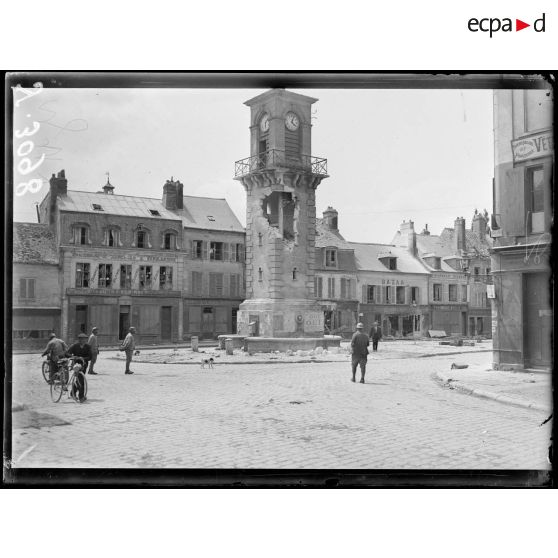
[
  {"x": 66, "y": 379},
  {"x": 46, "y": 371}
]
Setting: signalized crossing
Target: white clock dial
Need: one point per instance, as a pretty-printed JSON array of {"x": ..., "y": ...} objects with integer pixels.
[
  {"x": 292, "y": 121},
  {"x": 264, "y": 123}
]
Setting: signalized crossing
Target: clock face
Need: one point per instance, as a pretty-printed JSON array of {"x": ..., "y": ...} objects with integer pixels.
[
  {"x": 264, "y": 123},
  {"x": 292, "y": 121}
]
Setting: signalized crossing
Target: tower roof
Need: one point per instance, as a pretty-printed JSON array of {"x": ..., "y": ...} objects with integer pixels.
[{"x": 283, "y": 93}]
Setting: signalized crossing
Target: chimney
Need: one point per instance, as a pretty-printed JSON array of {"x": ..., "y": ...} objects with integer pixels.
[
  {"x": 479, "y": 224},
  {"x": 331, "y": 219},
  {"x": 58, "y": 187},
  {"x": 425, "y": 231},
  {"x": 173, "y": 192},
  {"x": 459, "y": 235},
  {"x": 407, "y": 229}
]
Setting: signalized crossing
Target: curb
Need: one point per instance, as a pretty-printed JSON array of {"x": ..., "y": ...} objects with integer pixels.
[
  {"x": 303, "y": 361},
  {"x": 484, "y": 394}
]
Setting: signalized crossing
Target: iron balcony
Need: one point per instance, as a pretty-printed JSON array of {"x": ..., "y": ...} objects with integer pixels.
[{"x": 277, "y": 159}]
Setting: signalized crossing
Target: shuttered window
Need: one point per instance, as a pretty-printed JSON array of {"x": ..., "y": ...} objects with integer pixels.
[
  {"x": 27, "y": 289},
  {"x": 196, "y": 283},
  {"x": 216, "y": 284}
]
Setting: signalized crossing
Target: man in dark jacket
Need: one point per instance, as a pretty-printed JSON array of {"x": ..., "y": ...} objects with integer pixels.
[
  {"x": 359, "y": 348},
  {"x": 83, "y": 350},
  {"x": 375, "y": 335}
]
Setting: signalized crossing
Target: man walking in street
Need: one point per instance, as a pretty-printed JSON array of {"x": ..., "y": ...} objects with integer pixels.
[
  {"x": 375, "y": 335},
  {"x": 55, "y": 349},
  {"x": 128, "y": 346},
  {"x": 93, "y": 342},
  {"x": 359, "y": 348}
]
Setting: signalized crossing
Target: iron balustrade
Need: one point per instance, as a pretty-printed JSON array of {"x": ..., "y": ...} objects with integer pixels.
[{"x": 275, "y": 158}]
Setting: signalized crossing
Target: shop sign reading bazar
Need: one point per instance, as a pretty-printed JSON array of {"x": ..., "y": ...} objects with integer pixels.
[{"x": 539, "y": 145}]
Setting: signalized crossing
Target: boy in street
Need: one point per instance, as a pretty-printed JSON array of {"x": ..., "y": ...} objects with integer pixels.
[{"x": 359, "y": 348}]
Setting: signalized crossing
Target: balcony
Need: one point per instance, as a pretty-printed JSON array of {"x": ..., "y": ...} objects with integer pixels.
[{"x": 276, "y": 159}]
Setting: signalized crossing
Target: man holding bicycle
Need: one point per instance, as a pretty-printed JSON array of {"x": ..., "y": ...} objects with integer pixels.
[
  {"x": 55, "y": 349},
  {"x": 82, "y": 350}
]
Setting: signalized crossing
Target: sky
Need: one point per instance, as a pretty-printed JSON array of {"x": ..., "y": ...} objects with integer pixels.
[{"x": 393, "y": 155}]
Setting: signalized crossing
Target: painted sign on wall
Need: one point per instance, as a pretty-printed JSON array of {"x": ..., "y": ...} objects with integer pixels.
[{"x": 539, "y": 145}]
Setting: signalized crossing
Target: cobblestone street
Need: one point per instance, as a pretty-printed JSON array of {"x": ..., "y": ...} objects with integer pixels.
[{"x": 284, "y": 415}]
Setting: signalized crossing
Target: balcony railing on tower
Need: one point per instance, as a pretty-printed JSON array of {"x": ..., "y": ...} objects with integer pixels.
[{"x": 275, "y": 158}]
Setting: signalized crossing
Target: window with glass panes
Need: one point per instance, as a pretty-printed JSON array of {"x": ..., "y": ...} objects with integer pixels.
[{"x": 82, "y": 275}]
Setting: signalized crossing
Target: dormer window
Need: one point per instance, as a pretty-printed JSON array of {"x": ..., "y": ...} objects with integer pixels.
[
  {"x": 389, "y": 261},
  {"x": 80, "y": 234},
  {"x": 142, "y": 237},
  {"x": 331, "y": 257},
  {"x": 154, "y": 212},
  {"x": 169, "y": 240},
  {"x": 97, "y": 207},
  {"x": 210, "y": 218},
  {"x": 111, "y": 236}
]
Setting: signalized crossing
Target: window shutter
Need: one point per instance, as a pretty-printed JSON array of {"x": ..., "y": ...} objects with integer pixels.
[
  {"x": 512, "y": 203},
  {"x": 364, "y": 294},
  {"x": 23, "y": 288},
  {"x": 205, "y": 248},
  {"x": 343, "y": 287},
  {"x": 226, "y": 252}
]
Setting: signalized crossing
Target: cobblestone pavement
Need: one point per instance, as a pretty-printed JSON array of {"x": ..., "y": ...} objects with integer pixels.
[{"x": 283, "y": 415}]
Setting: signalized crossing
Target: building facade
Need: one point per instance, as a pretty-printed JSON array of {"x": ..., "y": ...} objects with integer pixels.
[
  {"x": 172, "y": 267},
  {"x": 336, "y": 277},
  {"x": 521, "y": 229},
  {"x": 36, "y": 300},
  {"x": 459, "y": 269}
]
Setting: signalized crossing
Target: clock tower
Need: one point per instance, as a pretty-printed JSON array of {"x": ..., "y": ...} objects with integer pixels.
[{"x": 280, "y": 178}]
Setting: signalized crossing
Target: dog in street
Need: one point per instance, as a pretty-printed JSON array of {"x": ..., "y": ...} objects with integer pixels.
[{"x": 208, "y": 362}]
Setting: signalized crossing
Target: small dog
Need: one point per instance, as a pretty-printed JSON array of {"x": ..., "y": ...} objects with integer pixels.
[
  {"x": 208, "y": 361},
  {"x": 136, "y": 353}
]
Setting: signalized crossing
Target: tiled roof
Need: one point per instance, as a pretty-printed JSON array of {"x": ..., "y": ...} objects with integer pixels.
[
  {"x": 366, "y": 256},
  {"x": 34, "y": 243},
  {"x": 195, "y": 214},
  {"x": 472, "y": 241},
  {"x": 326, "y": 237},
  {"x": 197, "y": 211}
]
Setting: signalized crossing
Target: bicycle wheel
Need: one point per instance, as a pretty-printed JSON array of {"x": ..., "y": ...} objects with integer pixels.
[
  {"x": 46, "y": 371},
  {"x": 56, "y": 388}
]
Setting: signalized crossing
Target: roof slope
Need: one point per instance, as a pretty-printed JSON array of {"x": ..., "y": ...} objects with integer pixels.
[
  {"x": 195, "y": 213},
  {"x": 34, "y": 243},
  {"x": 326, "y": 237},
  {"x": 366, "y": 256}
]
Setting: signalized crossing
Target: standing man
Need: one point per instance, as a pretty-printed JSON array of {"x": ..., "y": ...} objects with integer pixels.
[
  {"x": 128, "y": 346},
  {"x": 55, "y": 349},
  {"x": 93, "y": 342},
  {"x": 375, "y": 335},
  {"x": 359, "y": 348},
  {"x": 83, "y": 350}
]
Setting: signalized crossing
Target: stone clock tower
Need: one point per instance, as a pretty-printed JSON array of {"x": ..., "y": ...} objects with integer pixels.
[{"x": 280, "y": 178}]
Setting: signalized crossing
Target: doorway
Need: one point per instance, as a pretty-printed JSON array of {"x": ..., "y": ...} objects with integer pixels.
[
  {"x": 207, "y": 323},
  {"x": 123, "y": 322},
  {"x": 166, "y": 323},
  {"x": 81, "y": 319},
  {"x": 537, "y": 312}
]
